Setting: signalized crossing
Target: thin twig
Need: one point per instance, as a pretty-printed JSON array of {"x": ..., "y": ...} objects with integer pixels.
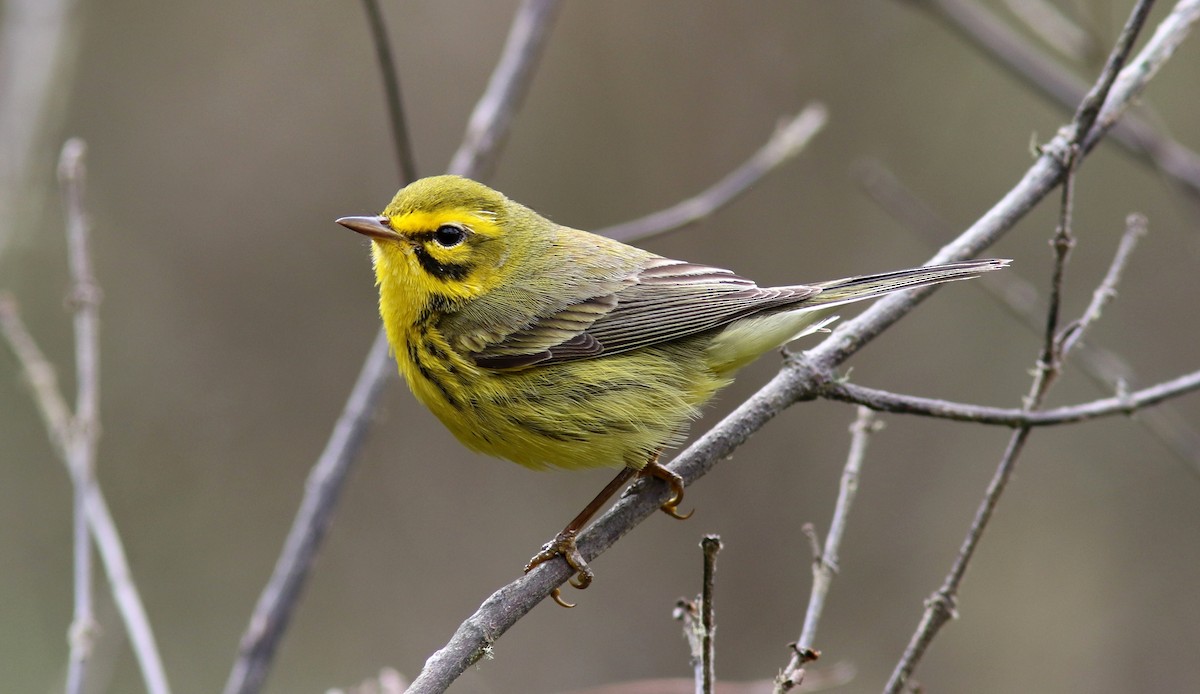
[
  {"x": 1123, "y": 404},
  {"x": 941, "y": 606},
  {"x": 999, "y": 42},
  {"x": 39, "y": 375},
  {"x": 825, "y": 561},
  {"x": 84, "y": 299},
  {"x": 800, "y": 379},
  {"x": 1089, "y": 108},
  {"x": 699, "y": 625},
  {"x": 711, "y": 544},
  {"x": 391, "y": 90},
  {"x": 1019, "y": 297},
  {"x": 1049, "y": 363},
  {"x": 788, "y": 140},
  {"x": 1135, "y": 228},
  {"x": 272, "y": 613},
  {"x": 74, "y": 438},
  {"x": 492, "y": 118}
]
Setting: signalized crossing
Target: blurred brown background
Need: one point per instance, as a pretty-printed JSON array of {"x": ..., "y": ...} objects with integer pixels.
[{"x": 224, "y": 139}]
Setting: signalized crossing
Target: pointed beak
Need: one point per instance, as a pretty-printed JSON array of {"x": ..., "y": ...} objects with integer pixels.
[{"x": 375, "y": 227}]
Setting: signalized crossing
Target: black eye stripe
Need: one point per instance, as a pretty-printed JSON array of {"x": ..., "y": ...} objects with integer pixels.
[{"x": 438, "y": 269}]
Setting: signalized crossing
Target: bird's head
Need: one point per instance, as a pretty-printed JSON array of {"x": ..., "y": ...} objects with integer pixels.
[{"x": 442, "y": 236}]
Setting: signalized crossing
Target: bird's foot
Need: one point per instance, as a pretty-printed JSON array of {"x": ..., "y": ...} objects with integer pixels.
[{"x": 563, "y": 545}]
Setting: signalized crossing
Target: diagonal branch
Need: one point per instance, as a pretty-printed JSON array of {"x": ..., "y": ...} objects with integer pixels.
[
  {"x": 391, "y": 90},
  {"x": 799, "y": 379},
  {"x": 825, "y": 561},
  {"x": 1018, "y": 296},
  {"x": 997, "y": 41},
  {"x": 74, "y": 437},
  {"x": 1135, "y": 229},
  {"x": 788, "y": 140},
  {"x": 272, "y": 612},
  {"x": 492, "y": 118},
  {"x": 942, "y": 605}
]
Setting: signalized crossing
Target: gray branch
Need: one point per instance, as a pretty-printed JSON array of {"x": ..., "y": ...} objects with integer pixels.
[
  {"x": 800, "y": 378},
  {"x": 788, "y": 140},
  {"x": 272, "y": 613},
  {"x": 997, "y": 41},
  {"x": 941, "y": 607},
  {"x": 825, "y": 561},
  {"x": 74, "y": 437}
]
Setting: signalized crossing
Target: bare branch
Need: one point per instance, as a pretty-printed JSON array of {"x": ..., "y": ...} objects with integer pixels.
[
  {"x": 1018, "y": 296},
  {"x": 74, "y": 438},
  {"x": 1125, "y": 404},
  {"x": 997, "y": 41},
  {"x": 39, "y": 374},
  {"x": 941, "y": 606},
  {"x": 699, "y": 626},
  {"x": 711, "y": 544},
  {"x": 85, "y": 427},
  {"x": 1135, "y": 228},
  {"x": 825, "y": 562},
  {"x": 1089, "y": 108},
  {"x": 492, "y": 118},
  {"x": 788, "y": 140},
  {"x": 1129, "y": 84},
  {"x": 391, "y": 90},
  {"x": 272, "y": 613},
  {"x": 800, "y": 379}
]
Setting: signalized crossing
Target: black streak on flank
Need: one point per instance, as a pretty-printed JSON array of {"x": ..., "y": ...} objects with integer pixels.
[
  {"x": 435, "y": 351},
  {"x": 557, "y": 435},
  {"x": 437, "y": 305},
  {"x": 443, "y": 271},
  {"x": 415, "y": 357}
]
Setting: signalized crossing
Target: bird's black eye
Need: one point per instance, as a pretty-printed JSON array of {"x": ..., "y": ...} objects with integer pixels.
[{"x": 449, "y": 236}]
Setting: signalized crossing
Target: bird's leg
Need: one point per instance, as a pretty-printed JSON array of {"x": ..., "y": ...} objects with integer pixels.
[
  {"x": 563, "y": 543},
  {"x": 674, "y": 483}
]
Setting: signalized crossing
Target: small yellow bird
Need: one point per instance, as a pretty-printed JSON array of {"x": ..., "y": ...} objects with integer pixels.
[{"x": 554, "y": 347}]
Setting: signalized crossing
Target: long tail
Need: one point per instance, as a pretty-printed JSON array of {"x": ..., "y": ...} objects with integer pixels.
[{"x": 850, "y": 289}]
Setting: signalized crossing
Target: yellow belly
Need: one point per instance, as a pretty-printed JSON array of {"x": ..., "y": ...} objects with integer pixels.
[{"x": 614, "y": 411}]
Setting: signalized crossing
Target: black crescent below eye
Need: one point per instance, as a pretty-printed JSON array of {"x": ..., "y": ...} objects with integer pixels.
[{"x": 449, "y": 236}]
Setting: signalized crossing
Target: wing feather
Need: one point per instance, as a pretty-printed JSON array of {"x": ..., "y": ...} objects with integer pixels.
[{"x": 666, "y": 300}]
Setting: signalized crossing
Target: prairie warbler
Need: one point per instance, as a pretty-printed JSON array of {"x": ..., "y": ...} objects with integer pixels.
[{"x": 553, "y": 347}]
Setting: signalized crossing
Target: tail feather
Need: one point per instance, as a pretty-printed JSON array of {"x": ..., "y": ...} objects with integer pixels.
[{"x": 851, "y": 289}]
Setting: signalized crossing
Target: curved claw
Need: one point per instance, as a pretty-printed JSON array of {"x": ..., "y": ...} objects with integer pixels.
[
  {"x": 556, "y": 596},
  {"x": 672, "y": 511},
  {"x": 563, "y": 545},
  {"x": 674, "y": 483}
]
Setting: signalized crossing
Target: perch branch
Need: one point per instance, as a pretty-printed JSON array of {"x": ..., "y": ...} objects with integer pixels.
[
  {"x": 941, "y": 606},
  {"x": 1019, "y": 297},
  {"x": 799, "y": 379},
  {"x": 1009, "y": 49},
  {"x": 272, "y": 613}
]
